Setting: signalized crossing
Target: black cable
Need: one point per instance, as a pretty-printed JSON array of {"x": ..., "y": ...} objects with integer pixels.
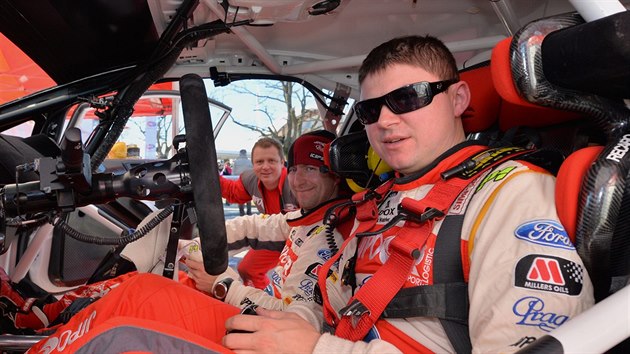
[
  {"x": 150, "y": 225},
  {"x": 331, "y": 220}
]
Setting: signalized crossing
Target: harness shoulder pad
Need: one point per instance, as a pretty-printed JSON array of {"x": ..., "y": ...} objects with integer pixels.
[
  {"x": 483, "y": 160},
  {"x": 549, "y": 159}
]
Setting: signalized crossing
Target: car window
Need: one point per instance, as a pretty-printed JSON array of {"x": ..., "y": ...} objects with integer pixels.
[
  {"x": 241, "y": 113},
  {"x": 149, "y": 132},
  {"x": 22, "y": 130},
  {"x": 264, "y": 108}
]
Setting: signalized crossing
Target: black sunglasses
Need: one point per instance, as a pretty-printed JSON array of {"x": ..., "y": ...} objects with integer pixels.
[{"x": 402, "y": 100}]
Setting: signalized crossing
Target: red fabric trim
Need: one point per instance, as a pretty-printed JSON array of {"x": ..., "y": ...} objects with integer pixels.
[
  {"x": 515, "y": 110},
  {"x": 569, "y": 183},
  {"x": 485, "y": 102},
  {"x": 400, "y": 339}
]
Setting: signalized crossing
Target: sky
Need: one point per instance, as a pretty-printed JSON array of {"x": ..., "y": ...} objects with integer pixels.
[
  {"x": 232, "y": 137},
  {"x": 235, "y": 137}
]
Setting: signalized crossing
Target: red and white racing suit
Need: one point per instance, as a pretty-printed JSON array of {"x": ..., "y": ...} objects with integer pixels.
[
  {"x": 307, "y": 245},
  {"x": 254, "y": 266},
  {"x": 524, "y": 275}
]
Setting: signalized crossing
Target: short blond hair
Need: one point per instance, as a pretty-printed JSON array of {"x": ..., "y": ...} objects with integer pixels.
[{"x": 266, "y": 142}]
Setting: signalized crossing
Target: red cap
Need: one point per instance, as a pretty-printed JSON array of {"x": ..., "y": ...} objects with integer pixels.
[{"x": 309, "y": 148}]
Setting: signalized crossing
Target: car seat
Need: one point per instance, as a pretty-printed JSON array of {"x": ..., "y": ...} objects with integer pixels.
[
  {"x": 591, "y": 195},
  {"x": 17, "y": 151}
]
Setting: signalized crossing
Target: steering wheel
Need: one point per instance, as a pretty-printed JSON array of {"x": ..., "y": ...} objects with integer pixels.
[{"x": 204, "y": 174}]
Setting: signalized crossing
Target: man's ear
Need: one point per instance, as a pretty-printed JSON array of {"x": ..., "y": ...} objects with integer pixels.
[{"x": 461, "y": 98}]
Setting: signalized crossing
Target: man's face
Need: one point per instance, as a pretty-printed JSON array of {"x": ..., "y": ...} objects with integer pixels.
[
  {"x": 310, "y": 186},
  {"x": 410, "y": 141},
  {"x": 267, "y": 165}
]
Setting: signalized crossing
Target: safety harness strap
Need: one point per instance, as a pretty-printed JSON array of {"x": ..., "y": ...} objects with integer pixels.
[
  {"x": 450, "y": 270},
  {"x": 366, "y": 204},
  {"x": 443, "y": 301},
  {"x": 447, "y": 299},
  {"x": 371, "y": 299}
]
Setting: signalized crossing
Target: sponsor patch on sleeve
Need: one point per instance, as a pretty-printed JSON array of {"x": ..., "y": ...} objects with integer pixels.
[
  {"x": 324, "y": 254},
  {"x": 313, "y": 270},
  {"x": 530, "y": 311},
  {"x": 544, "y": 232},
  {"x": 549, "y": 273}
]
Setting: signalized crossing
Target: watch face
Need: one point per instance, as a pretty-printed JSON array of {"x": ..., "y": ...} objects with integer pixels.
[{"x": 220, "y": 291}]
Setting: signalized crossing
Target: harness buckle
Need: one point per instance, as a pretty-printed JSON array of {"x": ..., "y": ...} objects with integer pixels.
[
  {"x": 355, "y": 311},
  {"x": 328, "y": 328},
  {"x": 430, "y": 214}
]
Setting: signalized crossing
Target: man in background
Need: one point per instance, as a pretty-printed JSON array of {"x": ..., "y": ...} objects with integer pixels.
[
  {"x": 241, "y": 164},
  {"x": 265, "y": 186}
]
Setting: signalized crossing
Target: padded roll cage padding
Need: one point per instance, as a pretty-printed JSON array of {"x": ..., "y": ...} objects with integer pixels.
[
  {"x": 602, "y": 46},
  {"x": 599, "y": 215}
]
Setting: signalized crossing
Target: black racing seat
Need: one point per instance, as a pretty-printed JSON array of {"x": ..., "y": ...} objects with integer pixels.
[{"x": 17, "y": 151}]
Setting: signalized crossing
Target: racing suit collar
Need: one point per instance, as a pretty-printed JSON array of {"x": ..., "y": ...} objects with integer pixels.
[
  {"x": 315, "y": 214},
  {"x": 431, "y": 173}
]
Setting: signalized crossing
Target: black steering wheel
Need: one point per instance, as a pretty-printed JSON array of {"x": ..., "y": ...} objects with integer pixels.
[{"x": 204, "y": 173}]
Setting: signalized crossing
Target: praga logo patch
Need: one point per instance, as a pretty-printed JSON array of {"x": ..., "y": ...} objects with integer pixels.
[{"x": 548, "y": 273}]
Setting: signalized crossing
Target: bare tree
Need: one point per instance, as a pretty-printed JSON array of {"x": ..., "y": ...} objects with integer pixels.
[
  {"x": 294, "y": 98},
  {"x": 163, "y": 145}
]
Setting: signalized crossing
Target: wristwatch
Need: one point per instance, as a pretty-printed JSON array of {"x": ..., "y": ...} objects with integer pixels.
[{"x": 220, "y": 289}]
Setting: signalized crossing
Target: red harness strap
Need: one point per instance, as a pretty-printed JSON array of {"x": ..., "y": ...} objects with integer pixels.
[
  {"x": 371, "y": 299},
  {"x": 366, "y": 306},
  {"x": 367, "y": 213},
  {"x": 369, "y": 302}
]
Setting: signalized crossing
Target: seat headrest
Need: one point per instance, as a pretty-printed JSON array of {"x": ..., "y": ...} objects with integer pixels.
[
  {"x": 485, "y": 102},
  {"x": 515, "y": 110},
  {"x": 494, "y": 98}
]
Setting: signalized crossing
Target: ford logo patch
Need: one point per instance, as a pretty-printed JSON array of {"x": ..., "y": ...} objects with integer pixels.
[{"x": 544, "y": 232}]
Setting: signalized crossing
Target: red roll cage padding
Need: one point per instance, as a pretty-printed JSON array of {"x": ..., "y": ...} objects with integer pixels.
[{"x": 569, "y": 183}]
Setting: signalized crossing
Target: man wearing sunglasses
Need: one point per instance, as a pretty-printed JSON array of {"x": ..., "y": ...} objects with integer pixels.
[{"x": 516, "y": 274}]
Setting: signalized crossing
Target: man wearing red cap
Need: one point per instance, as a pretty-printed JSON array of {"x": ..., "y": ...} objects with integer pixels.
[{"x": 307, "y": 243}]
